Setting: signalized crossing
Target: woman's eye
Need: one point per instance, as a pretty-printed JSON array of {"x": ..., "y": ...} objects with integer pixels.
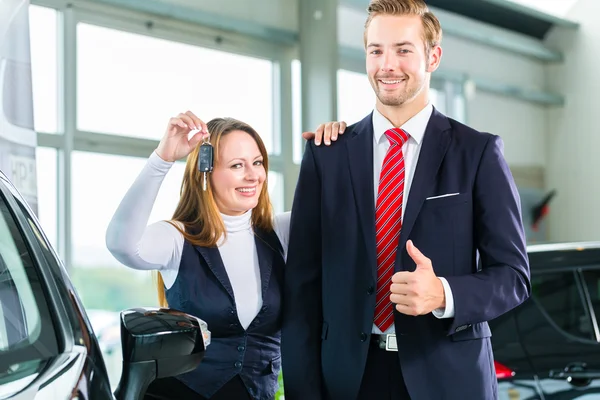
[
  {"x": 236, "y": 166},
  {"x": 258, "y": 162}
]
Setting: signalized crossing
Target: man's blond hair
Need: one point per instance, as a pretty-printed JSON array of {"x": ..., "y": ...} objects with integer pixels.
[{"x": 432, "y": 30}]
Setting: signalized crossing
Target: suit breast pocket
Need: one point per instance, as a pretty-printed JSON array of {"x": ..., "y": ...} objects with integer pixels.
[
  {"x": 446, "y": 201},
  {"x": 443, "y": 227}
]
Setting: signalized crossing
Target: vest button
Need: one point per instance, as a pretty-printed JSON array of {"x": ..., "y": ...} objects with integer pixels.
[
  {"x": 370, "y": 290},
  {"x": 363, "y": 336},
  {"x": 238, "y": 364},
  {"x": 232, "y": 311},
  {"x": 241, "y": 348}
]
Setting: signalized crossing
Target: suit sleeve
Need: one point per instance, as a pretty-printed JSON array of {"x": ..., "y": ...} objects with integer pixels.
[
  {"x": 302, "y": 318},
  {"x": 504, "y": 279}
]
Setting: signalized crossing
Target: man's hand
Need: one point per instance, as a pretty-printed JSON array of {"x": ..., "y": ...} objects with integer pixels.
[
  {"x": 418, "y": 292},
  {"x": 327, "y": 132}
]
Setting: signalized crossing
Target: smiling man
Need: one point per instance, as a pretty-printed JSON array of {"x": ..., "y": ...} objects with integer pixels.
[{"x": 406, "y": 238}]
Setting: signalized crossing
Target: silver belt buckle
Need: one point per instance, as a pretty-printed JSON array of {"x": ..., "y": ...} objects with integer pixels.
[{"x": 390, "y": 342}]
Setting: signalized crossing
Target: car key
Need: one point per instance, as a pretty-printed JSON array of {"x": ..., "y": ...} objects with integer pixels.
[{"x": 205, "y": 160}]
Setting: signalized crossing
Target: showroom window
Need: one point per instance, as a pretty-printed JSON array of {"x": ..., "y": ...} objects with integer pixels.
[{"x": 129, "y": 84}]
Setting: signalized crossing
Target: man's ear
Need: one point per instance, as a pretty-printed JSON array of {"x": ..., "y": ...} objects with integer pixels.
[{"x": 434, "y": 59}]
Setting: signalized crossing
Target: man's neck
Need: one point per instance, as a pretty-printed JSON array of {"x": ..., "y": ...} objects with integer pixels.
[{"x": 398, "y": 115}]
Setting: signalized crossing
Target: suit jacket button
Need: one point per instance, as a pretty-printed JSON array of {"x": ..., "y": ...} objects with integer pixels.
[
  {"x": 363, "y": 336},
  {"x": 370, "y": 290},
  {"x": 238, "y": 364}
]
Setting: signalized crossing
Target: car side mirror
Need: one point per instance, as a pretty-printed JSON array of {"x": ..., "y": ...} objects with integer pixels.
[{"x": 158, "y": 343}]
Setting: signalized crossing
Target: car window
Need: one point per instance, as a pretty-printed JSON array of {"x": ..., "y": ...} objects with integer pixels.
[
  {"x": 27, "y": 335},
  {"x": 563, "y": 302},
  {"x": 591, "y": 278}
]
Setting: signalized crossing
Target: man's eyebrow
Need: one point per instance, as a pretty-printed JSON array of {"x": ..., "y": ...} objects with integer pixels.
[
  {"x": 404, "y": 43},
  {"x": 399, "y": 44}
]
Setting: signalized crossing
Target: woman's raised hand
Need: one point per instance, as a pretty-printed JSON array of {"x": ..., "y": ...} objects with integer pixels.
[{"x": 176, "y": 142}]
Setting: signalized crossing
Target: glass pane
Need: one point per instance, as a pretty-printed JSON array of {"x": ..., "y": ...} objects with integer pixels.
[
  {"x": 152, "y": 80},
  {"x": 560, "y": 297},
  {"x": 44, "y": 52},
  {"x": 438, "y": 99},
  {"x": 460, "y": 108},
  {"x": 276, "y": 191},
  {"x": 99, "y": 183},
  {"x": 47, "y": 185},
  {"x": 355, "y": 98},
  {"x": 27, "y": 336}
]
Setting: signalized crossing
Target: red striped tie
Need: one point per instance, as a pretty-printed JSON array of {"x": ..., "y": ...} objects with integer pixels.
[{"x": 388, "y": 214}]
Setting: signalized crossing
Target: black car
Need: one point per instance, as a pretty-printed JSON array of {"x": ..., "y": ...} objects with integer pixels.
[
  {"x": 549, "y": 347},
  {"x": 48, "y": 349}
]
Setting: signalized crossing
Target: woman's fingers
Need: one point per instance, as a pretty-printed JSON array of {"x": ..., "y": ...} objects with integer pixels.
[
  {"x": 198, "y": 123},
  {"x": 176, "y": 122}
]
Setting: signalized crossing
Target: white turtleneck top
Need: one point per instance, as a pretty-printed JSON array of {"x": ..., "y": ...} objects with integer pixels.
[{"x": 159, "y": 246}]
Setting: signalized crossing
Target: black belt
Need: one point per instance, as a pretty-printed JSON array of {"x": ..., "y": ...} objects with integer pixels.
[{"x": 385, "y": 342}]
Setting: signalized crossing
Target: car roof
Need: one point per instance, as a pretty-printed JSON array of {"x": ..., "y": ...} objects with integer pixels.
[
  {"x": 550, "y": 256},
  {"x": 565, "y": 246}
]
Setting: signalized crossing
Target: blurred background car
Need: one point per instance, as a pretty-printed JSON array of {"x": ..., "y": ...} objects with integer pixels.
[{"x": 549, "y": 347}]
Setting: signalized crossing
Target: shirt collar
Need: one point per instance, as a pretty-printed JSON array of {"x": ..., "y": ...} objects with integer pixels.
[{"x": 415, "y": 126}]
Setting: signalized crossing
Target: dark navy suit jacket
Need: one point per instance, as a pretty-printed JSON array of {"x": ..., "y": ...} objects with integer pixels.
[{"x": 474, "y": 239}]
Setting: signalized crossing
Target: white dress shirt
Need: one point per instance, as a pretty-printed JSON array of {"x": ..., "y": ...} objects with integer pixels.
[{"x": 415, "y": 127}]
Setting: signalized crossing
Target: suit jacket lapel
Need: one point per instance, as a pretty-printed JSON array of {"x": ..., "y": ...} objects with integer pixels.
[
  {"x": 435, "y": 143},
  {"x": 360, "y": 159},
  {"x": 214, "y": 261}
]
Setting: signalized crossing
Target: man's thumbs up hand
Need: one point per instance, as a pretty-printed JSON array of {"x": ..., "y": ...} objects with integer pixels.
[
  {"x": 418, "y": 257},
  {"x": 418, "y": 292}
]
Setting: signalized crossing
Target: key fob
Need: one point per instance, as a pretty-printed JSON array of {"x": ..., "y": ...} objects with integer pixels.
[{"x": 205, "y": 158}]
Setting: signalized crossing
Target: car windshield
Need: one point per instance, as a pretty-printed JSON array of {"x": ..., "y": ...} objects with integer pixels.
[{"x": 27, "y": 335}]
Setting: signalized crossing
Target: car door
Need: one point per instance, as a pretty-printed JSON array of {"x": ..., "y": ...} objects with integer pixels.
[
  {"x": 516, "y": 376},
  {"x": 44, "y": 351},
  {"x": 559, "y": 330},
  {"x": 28, "y": 342}
]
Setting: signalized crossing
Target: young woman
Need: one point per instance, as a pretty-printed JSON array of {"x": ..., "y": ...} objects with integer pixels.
[{"x": 220, "y": 258}]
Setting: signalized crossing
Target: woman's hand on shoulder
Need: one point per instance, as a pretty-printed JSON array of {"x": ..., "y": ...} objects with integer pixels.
[{"x": 176, "y": 142}]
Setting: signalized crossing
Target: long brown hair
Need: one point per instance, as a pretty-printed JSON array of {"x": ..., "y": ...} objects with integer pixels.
[{"x": 197, "y": 209}]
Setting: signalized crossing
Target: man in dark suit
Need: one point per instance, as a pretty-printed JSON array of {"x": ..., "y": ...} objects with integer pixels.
[{"x": 406, "y": 238}]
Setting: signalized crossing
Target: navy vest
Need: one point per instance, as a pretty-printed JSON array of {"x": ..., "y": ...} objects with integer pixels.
[{"x": 202, "y": 289}]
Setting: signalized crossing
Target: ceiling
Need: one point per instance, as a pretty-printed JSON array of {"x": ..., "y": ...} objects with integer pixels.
[{"x": 503, "y": 14}]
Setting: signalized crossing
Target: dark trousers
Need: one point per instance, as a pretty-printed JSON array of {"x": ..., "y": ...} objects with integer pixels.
[
  {"x": 174, "y": 389},
  {"x": 382, "y": 379}
]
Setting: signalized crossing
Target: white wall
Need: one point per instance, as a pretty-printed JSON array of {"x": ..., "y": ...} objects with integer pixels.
[
  {"x": 522, "y": 125},
  {"x": 573, "y": 138}
]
